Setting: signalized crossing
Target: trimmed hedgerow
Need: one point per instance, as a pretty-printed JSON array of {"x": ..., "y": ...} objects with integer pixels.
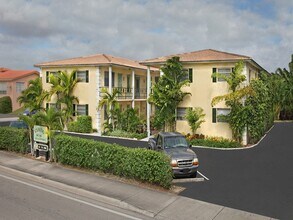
[
  {"x": 137, "y": 163},
  {"x": 216, "y": 142},
  {"x": 5, "y": 105},
  {"x": 126, "y": 134},
  {"x": 13, "y": 139},
  {"x": 82, "y": 125}
]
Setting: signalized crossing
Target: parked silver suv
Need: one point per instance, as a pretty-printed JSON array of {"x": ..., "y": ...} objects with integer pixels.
[{"x": 184, "y": 161}]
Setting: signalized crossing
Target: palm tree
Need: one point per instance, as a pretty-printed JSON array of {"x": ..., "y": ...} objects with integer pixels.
[
  {"x": 34, "y": 95},
  {"x": 63, "y": 85},
  {"x": 52, "y": 119},
  {"x": 110, "y": 101},
  {"x": 194, "y": 118},
  {"x": 167, "y": 94},
  {"x": 287, "y": 76},
  {"x": 30, "y": 121}
]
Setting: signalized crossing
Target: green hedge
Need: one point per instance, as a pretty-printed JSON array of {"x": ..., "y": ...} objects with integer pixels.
[
  {"x": 82, "y": 125},
  {"x": 136, "y": 163},
  {"x": 13, "y": 139},
  {"x": 5, "y": 105},
  {"x": 215, "y": 142}
]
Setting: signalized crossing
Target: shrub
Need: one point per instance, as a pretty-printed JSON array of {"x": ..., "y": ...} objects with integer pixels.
[
  {"x": 121, "y": 133},
  {"x": 13, "y": 139},
  {"x": 82, "y": 125},
  {"x": 217, "y": 142},
  {"x": 194, "y": 117},
  {"x": 5, "y": 105},
  {"x": 136, "y": 163}
]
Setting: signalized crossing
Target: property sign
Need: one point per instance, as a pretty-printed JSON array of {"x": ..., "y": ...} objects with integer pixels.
[{"x": 41, "y": 134}]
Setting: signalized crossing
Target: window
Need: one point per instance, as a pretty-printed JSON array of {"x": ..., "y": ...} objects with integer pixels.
[
  {"x": 83, "y": 76},
  {"x": 19, "y": 87},
  {"x": 224, "y": 71},
  {"x": 219, "y": 114},
  {"x": 48, "y": 73},
  {"x": 80, "y": 109},
  {"x": 3, "y": 88},
  {"x": 181, "y": 113},
  {"x": 190, "y": 75},
  {"x": 157, "y": 79},
  {"x": 106, "y": 79},
  {"x": 53, "y": 105}
]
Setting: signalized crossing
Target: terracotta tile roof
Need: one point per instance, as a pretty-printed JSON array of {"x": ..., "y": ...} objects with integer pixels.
[
  {"x": 97, "y": 59},
  {"x": 200, "y": 56},
  {"x": 8, "y": 75}
]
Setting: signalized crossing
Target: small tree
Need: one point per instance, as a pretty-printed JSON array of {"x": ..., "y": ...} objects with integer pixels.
[
  {"x": 30, "y": 121},
  {"x": 5, "y": 105},
  {"x": 194, "y": 118},
  {"x": 53, "y": 120},
  {"x": 112, "y": 107}
]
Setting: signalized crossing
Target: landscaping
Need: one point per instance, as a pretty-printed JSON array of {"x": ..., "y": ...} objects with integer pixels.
[
  {"x": 13, "y": 139},
  {"x": 136, "y": 163},
  {"x": 215, "y": 142}
]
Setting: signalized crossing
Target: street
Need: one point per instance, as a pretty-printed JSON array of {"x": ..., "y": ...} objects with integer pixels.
[
  {"x": 257, "y": 180},
  {"x": 25, "y": 196}
]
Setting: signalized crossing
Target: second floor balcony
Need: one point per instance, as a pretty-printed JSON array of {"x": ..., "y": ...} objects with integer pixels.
[{"x": 127, "y": 93}]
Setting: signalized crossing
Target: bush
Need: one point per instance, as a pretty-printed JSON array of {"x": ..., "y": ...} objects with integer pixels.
[
  {"x": 121, "y": 133},
  {"x": 13, "y": 139},
  {"x": 136, "y": 163},
  {"x": 217, "y": 142},
  {"x": 82, "y": 125},
  {"x": 5, "y": 105}
]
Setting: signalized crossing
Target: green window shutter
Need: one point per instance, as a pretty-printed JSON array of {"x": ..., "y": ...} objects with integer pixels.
[
  {"x": 87, "y": 76},
  {"x": 214, "y": 117},
  {"x": 47, "y": 106},
  {"x": 47, "y": 76},
  {"x": 214, "y": 78},
  {"x": 74, "y": 109},
  {"x": 86, "y": 109},
  {"x": 74, "y": 76},
  {"x": 190, "y": 72}
]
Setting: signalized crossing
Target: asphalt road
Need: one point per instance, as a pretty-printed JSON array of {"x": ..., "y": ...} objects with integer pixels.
[
  {"x": 258, "y": 180},
  {"x": 24, "y": 196}
]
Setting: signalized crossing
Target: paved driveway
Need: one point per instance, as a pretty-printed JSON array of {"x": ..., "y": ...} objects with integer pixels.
[{"x": 258, "y": 180}]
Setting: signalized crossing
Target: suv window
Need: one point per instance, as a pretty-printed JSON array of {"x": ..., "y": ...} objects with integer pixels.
[{"x": 175, "y": 142}]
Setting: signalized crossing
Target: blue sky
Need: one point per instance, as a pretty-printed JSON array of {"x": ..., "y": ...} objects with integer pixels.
[{"x": 39, "y": 30}]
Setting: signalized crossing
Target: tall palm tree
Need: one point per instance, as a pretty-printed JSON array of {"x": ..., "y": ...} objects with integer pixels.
[
  {"x": 34, "y": 95},
  {"x": 63, "y": 85},
  {"x": 110, "y": 101},
  {"x": 52, "y": 119},
  {"x": 167, "y": 93}
]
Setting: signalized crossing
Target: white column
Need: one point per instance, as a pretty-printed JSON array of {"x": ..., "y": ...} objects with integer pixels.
[
  {"x": 110, "y": 79},
  {"x": 161, "y": 73},
  {"x": 41, "y": 74},
  {"x": 98, "y": 111},
  {"x": 148, "y": 104},
  {"x": 133, "y": 87}
]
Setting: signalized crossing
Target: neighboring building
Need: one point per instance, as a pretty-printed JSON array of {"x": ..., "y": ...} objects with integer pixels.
[
  {"x": 200, "y": 65},
  {"x": 104, "y": 71},
  {"x": 13, "y": 82}
]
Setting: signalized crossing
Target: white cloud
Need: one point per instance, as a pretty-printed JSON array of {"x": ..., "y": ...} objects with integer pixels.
[{"x": 37, "y": 31}]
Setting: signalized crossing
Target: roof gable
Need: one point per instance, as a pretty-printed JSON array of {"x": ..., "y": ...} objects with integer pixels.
[
  {"x": 200, "y": 56},
  {"x": 97, "y": 59},
  {"x": 8, "y": 75}
]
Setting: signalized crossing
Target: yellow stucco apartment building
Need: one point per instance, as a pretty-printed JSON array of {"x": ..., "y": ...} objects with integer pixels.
[{"x": 134, "y": 80}]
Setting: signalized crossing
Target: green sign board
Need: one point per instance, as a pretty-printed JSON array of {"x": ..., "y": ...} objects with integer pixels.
[{"x": 41, "y": 134}]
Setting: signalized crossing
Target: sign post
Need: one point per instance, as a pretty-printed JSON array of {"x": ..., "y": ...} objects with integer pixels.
[{"x": 41, "y": 140}]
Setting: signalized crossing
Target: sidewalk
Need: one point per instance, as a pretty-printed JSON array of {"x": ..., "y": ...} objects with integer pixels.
[{"x": 160, "y": 205}]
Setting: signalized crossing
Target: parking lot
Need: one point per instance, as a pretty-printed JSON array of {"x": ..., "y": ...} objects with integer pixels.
[{"x": 257, "y": 180}]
